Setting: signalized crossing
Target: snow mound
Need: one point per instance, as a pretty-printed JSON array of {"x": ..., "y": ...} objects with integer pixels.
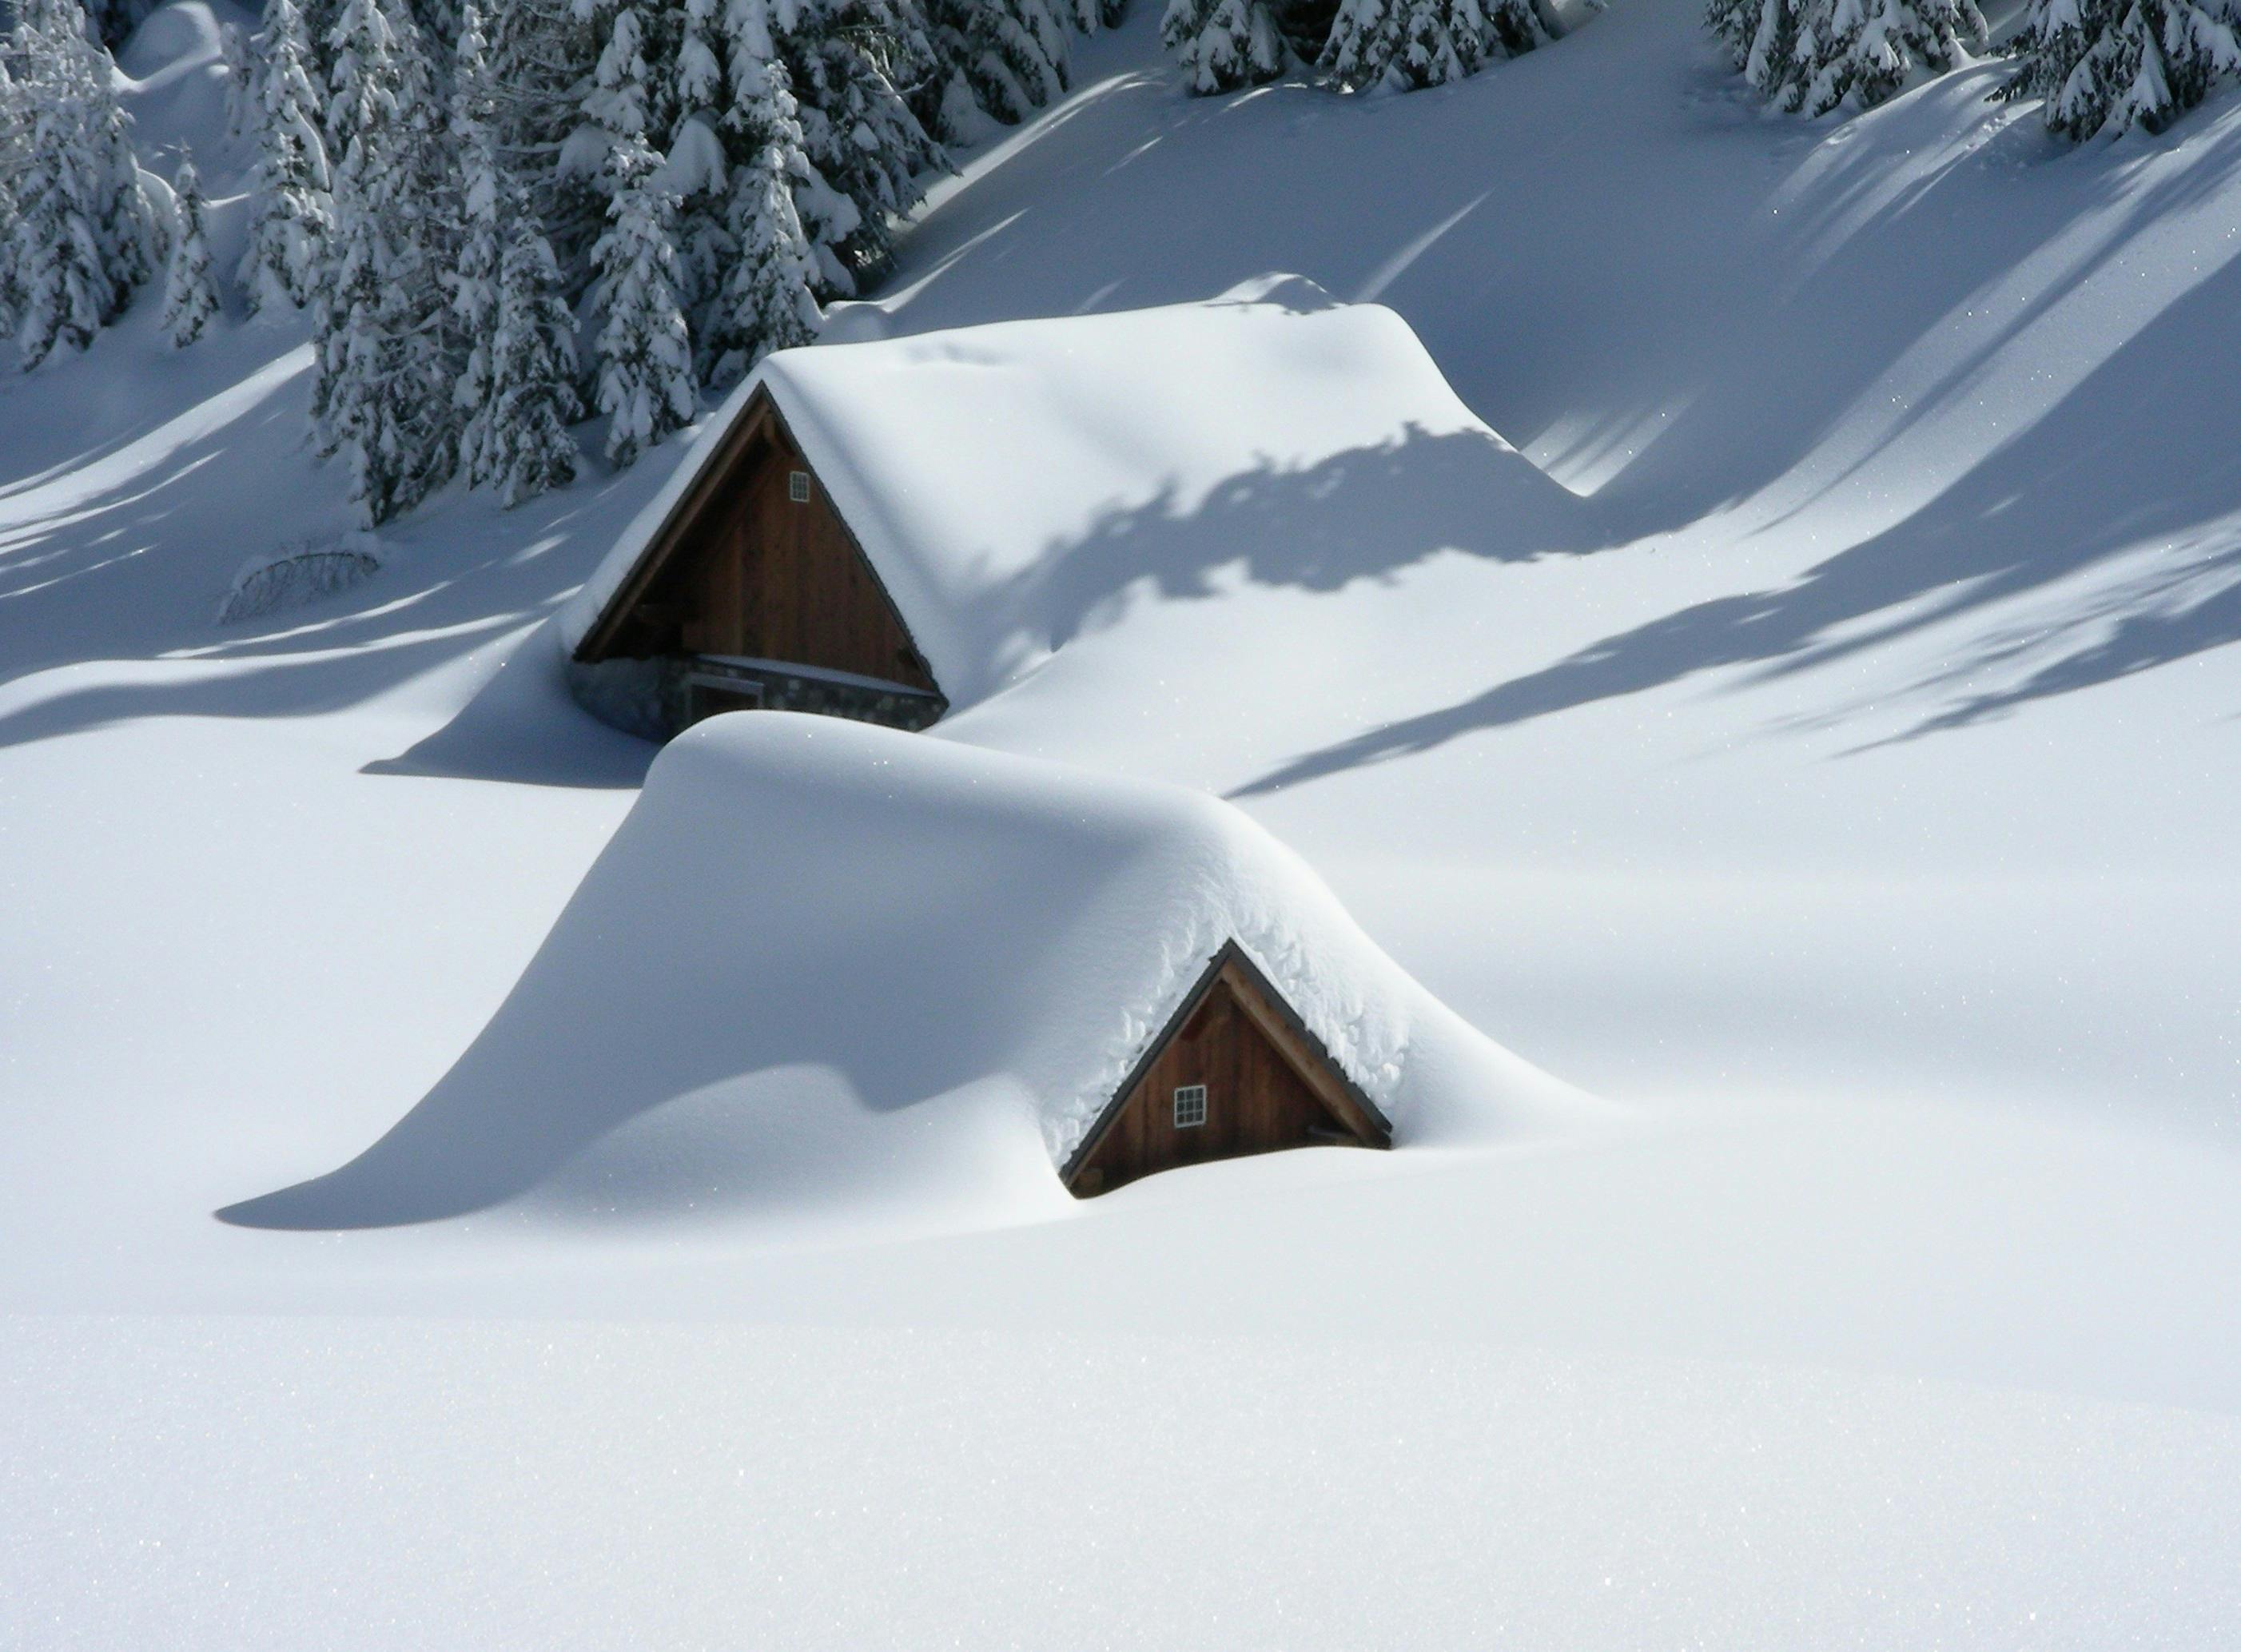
[
  {"x": 997, "y": 474},
  {"x": 824, "y": 965},
  {"x": 299, "y": 574}
]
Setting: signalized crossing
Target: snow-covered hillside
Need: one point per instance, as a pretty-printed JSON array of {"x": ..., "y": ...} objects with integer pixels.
[{"x": 1847, "y": 801}]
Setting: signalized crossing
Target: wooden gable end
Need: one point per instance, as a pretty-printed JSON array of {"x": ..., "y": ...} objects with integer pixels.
[
  {"x": 756, "y": 562},
  {"x": 1268, "y": 1085}
]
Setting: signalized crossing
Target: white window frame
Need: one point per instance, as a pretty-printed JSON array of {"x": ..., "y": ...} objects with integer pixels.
[
  {"x": 797, "y": 486},
  {"x": 1190, "y": 1106}
]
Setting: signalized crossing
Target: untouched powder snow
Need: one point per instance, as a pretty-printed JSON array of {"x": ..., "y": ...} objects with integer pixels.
[
  {"x": 1849, "y": 797},
  {"x": 1271, "y": 431},
  {"x": 824, "y": 965}
]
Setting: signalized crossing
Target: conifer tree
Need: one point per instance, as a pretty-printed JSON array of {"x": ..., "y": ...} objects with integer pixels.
[
  {"x": 1761, "y": 37},
  {"x": 2105, "y": 66},
  {"x": 291, "y": 217},
  {"x": 644, "y": 356},
  {"x": 383, "y": 389},
  {"x": 1007, "y": 57},
  {"x": 766, "y": 301},
  {"x": 1223, "y": 44},
  {"x": 14, "y": 138},
  {"x": 1863, "y": 50},
  {"x": 1405, "y": 44},
  {"x": 189, "y": 299},
  {"x": 240, "y": 78},
  {"x": 644, "y": 351},
  {"x": 851, "y": 64},
  {"x": 85, "y": 234},
  {"x": 527, "y": 447},
  {"x": 830, "y": 219},
  {"x": 473, "y": 280}
]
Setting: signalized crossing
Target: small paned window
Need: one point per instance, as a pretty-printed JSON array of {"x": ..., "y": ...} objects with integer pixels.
[
  {"x": 797, "y": 486},
  {"x": 1190, "y": 1106}
]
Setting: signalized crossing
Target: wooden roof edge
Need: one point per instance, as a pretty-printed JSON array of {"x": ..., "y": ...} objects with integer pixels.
[
  {"x": 1371, "y": 1122},
  {"x": 761, "y": 408}
]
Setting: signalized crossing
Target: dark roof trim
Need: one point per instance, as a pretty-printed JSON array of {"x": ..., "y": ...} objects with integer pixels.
[{"x": 1230, "y": 953}]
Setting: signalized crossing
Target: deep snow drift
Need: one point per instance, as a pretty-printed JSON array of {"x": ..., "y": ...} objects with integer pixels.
[{"x": 823, "y": 966}]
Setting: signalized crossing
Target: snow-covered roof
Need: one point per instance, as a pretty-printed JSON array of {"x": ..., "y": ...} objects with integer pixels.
[
  {"x": 824, "y": 960},
  {"x": 973, "y": 465}
]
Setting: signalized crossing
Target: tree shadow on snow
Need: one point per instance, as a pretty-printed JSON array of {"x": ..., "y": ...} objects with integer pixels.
[
  {"x": 2114, "y": 469},
  {"x": 123, "y": 553}
]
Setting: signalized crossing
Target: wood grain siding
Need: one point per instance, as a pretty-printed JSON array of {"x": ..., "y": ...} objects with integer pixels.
[
  {"x": 741, "y": 568},
  {"x": 1269, "y": 1086}
]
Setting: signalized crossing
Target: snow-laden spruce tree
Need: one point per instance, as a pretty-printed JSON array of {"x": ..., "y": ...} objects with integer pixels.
[
  {"x": 767, "y": 302},
  {"x": 645, "y": 385},
  {"x": 240, "y": 78},
  {"x": 1223, "y": 44},
  {"x": 1761, "y": 37},
  {"x": 1006, "y": 58},
  {"x": 526, "y": 446},
  {"x": 85, "y": 233},
  {"x": 14, "y": 117},
  {"x": 830, "y": 218},
  {"x": 2105, "y": 66},
  {"x": 1402, "y": 45},
  {"x": 850, "y": 63},
  {"x": 382, "y": 390},
  {"x": 643, "y": 349},
  {"x": 292, "y": 218},
  {"x": 472, "y": 279},
  {"x": 1863, "y": 51},
  {"x": 190, "y": 296}
]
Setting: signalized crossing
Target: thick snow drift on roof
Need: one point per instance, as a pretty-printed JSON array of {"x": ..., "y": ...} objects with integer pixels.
[
  {"x": 975, "y": 465},
  {"x": 823, "y": 962}
]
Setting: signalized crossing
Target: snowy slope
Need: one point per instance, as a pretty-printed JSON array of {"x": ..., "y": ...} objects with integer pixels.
[{"x": 1853, "y": 799}]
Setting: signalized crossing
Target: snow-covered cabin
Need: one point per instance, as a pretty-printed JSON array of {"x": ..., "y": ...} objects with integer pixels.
[
  {"x": 916, "y": 997},
  {"x": 884, "y": 528}
]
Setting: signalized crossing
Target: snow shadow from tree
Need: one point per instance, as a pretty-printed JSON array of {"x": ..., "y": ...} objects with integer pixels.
[
  {"x": 1367, "y": 514},
  {"x": 203, "y": 471},
  {"x": 2062, "y": 503}
]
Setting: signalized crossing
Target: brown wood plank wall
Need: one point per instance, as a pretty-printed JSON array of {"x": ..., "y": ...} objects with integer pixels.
[
  {"x": 772, "y": 578},
  {"x": 1255, "y": 1101}
]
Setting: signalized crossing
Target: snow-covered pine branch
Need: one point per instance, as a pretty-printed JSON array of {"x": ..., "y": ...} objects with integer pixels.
[
  {"x": 1861, "y": 52},
  {"x": 1007, "y": 58},
  {"x": 1223, "y": 44},
  {"x": 2105, "y": 66},
  {"x": 240, "y": 78},
  {"x": 189, "y": 298},
  {"x": 292, "y": 216},
  {"x": 1761, "y": 37},
  {"x": 849, "y": 63}
]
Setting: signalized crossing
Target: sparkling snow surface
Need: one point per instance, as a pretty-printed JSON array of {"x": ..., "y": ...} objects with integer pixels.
[{"x": 1849, "y": 801}]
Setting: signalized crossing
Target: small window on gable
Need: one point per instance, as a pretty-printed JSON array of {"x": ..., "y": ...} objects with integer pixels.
[
  {"x": 797, "y": 486},
  {"x": 1190, "y": 1106}
]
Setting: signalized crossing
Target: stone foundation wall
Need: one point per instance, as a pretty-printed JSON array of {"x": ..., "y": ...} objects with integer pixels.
[{"x": 653, "y": 699}]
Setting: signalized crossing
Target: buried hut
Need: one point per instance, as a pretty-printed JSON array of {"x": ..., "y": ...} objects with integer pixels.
[
  {"x": 885, "y": 528},
  {"x": 945, "y": 985}
]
